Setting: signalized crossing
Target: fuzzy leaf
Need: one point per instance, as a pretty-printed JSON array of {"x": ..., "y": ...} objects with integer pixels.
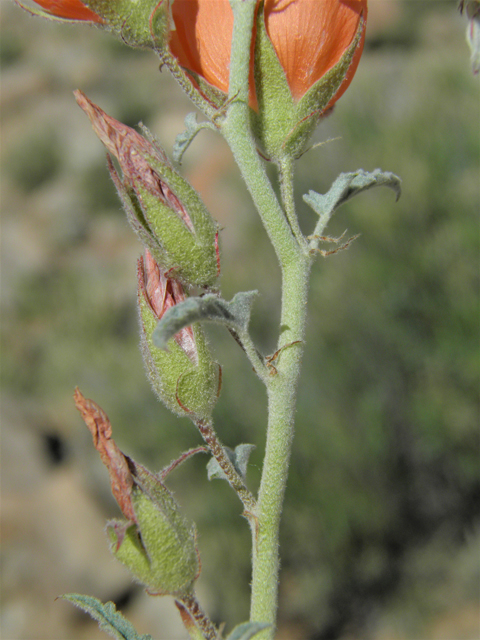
[
  {"x": 209, "y": 308},
  {"x": 345, "y": 187},
  {"x": 183, "y": 140},
  {"x": 239, "y": 459},
  {"x": 247, "y": 630},
  {"x": 109, "y": 619}
]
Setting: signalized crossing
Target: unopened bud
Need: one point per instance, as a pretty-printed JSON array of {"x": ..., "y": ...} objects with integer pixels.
[
  {"x": 185, "y": 377},
  {"x": 160, "y": 548},
  {"x": 162, "y": 207},
  {"x": 138, "y": 24},
  {"x": 155, "y": 541}
]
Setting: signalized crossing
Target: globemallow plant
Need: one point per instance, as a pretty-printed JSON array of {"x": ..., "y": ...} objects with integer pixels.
[{"x": 263, "y": 74}]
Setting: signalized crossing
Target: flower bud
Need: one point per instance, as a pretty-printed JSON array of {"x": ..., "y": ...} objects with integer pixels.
[
  {"x": 185, "y": 378},
  {"x": 139, "y": 24},
  {"x": 295, "y": 86},
  {"x": 160, "y": 547},
  {"x": 156, "y": 543},
  {"x": 304, "y": 56},
  {"x": 162, "y": 207}
]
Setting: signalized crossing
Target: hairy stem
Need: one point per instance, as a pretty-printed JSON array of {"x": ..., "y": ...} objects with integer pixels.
[
  {"x": 233, "y": 477},
  {"x": 290, "y": 247},
  {"x": 197, "y": 623},
  {"x": 285, "y": 170},
  {"x": 281, "y": 408}
]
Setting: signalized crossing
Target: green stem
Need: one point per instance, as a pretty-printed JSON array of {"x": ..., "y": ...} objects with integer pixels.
[
  {"x": 245, "y": 341},
  {"x": 281, "y": 409},
  {"x": 235, "y": 480},
  {"x": 184, "y": 81},
  {"x": 289, "y": 245},
  {"x": 197, "y": 623},
  {"x": 237, "y": 132},
  {"x": 286, "y": 169}
]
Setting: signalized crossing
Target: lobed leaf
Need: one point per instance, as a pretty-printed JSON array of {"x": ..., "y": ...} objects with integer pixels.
[
  {"x": 109, "y": 619},
  {"x": 209, "y": 308}
]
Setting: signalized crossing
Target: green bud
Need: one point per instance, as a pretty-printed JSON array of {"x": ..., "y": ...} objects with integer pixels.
[
  {"x": 185, "y": 377},
  {"x": 163, "y": 208},
  {"x": 160, "y": 548},
  {"x": 155, "y": 542}
]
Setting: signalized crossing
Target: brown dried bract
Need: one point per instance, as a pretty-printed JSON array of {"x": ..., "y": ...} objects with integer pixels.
[{"x": 117, "y": 463}]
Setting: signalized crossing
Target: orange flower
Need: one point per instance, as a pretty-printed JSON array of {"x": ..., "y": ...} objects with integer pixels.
[
  {"x": 69, "y": 10},
  {"x": 309, "y": 37}
]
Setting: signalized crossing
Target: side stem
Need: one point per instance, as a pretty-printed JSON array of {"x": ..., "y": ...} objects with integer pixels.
[
  {"x": 285, "y": 170},
  {"x": 208, "y": 434},
  {"x": 197, "y": 623}
]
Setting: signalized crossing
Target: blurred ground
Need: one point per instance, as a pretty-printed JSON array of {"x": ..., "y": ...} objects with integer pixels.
[{"x": 381, "y": 527}]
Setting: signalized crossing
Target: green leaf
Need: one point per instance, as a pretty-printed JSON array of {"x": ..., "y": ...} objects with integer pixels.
[
  {"x": 247, "y": 630},
  {"x": 345, "y": 187},
  {"x": 209, "y": 308},
  {"x": 109, "y": 619},
  {"x": 184, "y": 139},
  {"x": 239, "y": 459}
]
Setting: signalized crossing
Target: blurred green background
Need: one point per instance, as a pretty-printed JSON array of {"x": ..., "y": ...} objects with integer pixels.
[{"x": 381, "y": 522}]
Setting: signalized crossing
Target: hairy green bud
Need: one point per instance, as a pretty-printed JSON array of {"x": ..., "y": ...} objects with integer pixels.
[
  {"x": 185, "y": 377},
  {"x": 163, "y": 208}
]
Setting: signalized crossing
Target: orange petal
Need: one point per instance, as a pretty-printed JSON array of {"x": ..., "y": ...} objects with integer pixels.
[
  {"x": 69, "y": 9},
  {"x": 202, "y": 39},
  {"x": 310, "y": 36}
]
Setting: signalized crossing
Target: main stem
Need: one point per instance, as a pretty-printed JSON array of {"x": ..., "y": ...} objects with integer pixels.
[
  {"x": 292, "y": 253},
  {"x": 281, "y": 408}
]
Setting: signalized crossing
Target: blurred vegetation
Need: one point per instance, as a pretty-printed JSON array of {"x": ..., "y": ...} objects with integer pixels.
[{"x": 381, "y": 519}]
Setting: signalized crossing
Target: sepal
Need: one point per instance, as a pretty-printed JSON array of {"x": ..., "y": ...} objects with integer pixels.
[
  {"x": 160, "y": 549},
  {"x": 138, "y": 24},
  {"x": 282, "y": 125}
]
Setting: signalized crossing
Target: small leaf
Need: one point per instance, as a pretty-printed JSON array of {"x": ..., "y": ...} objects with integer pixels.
[
  {"x": 209, "y": 308},
  {"x": 247, "y": 630},
  {"x": 345, "y": 187},
  {"x": 184, "y": 139},
  {"x": 239, "y": 459},
  {"x": 109, "y": 619}
]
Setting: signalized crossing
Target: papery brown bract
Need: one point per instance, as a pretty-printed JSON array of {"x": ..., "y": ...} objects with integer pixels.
[
  {"x": 162, "y": 293},
  {"x": 117, "y": 463}
]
